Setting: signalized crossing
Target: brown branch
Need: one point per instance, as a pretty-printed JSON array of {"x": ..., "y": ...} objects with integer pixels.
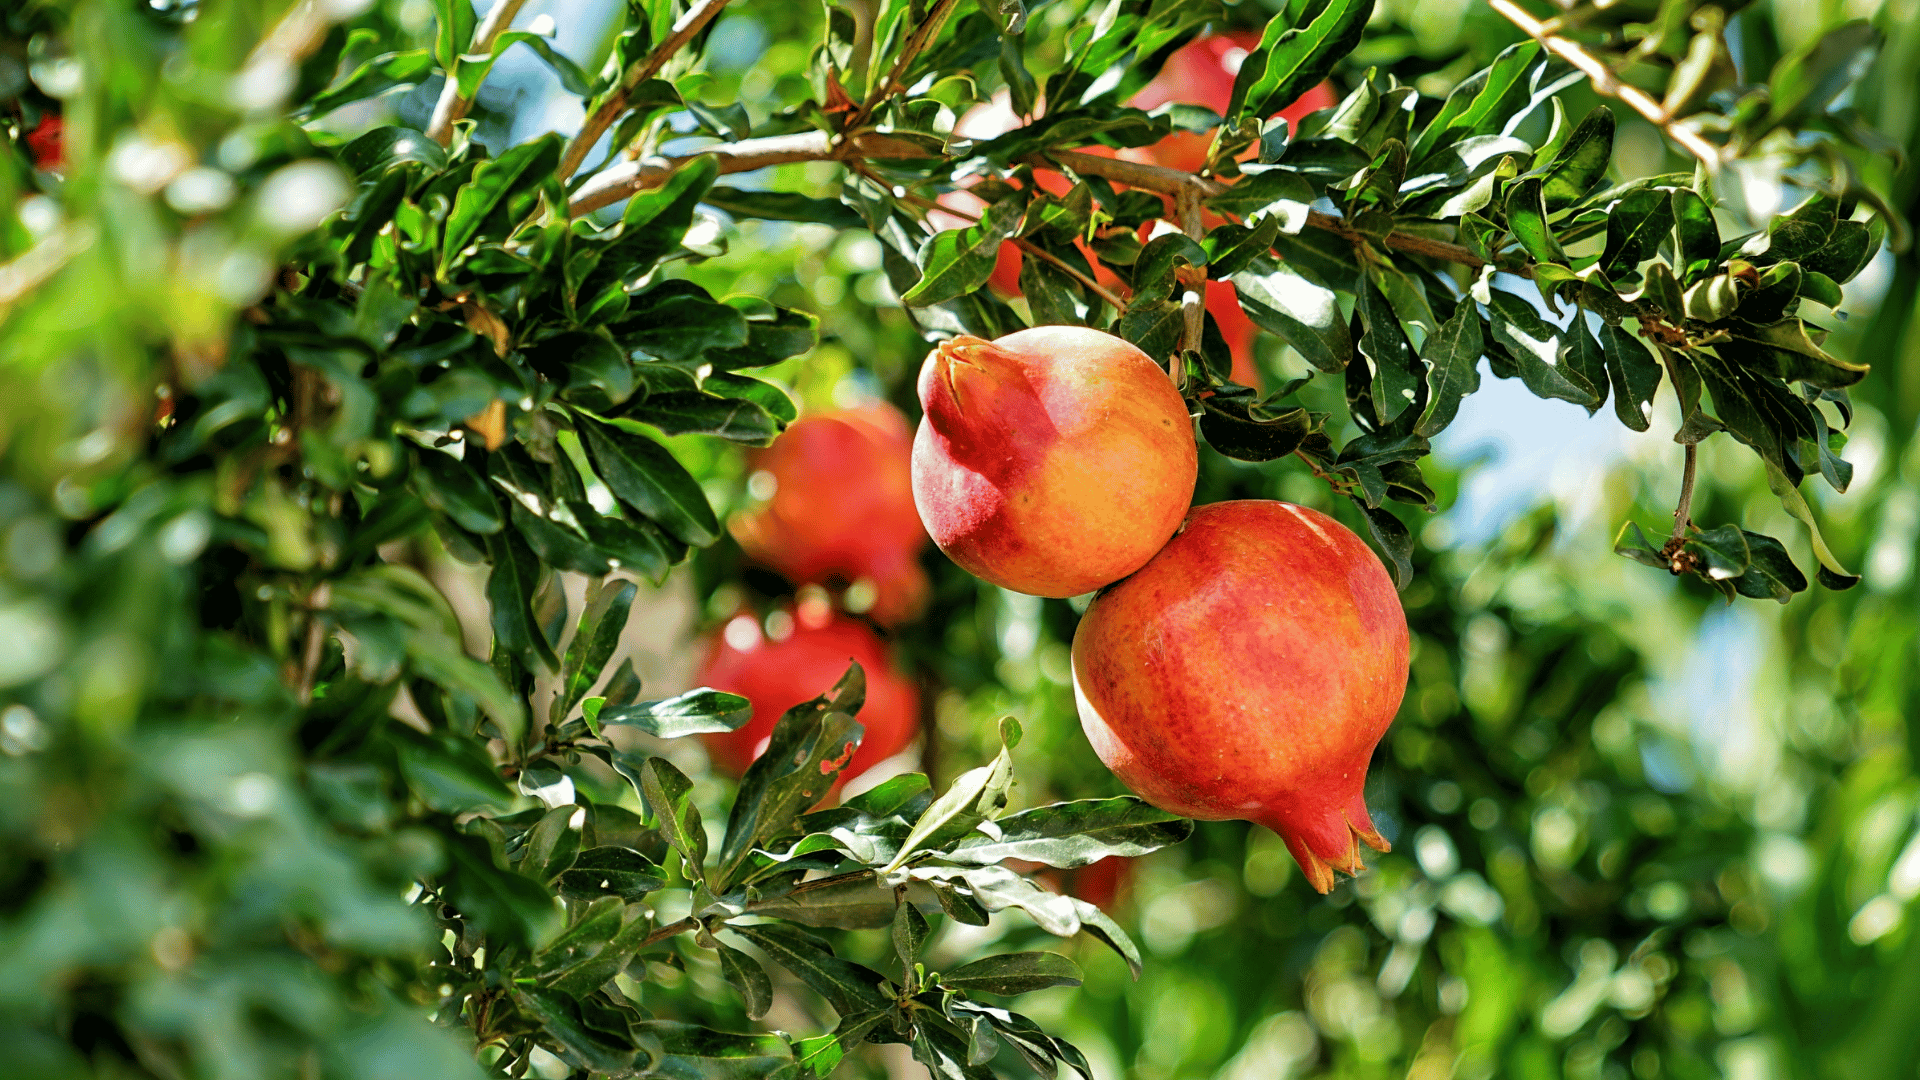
[
  {"x": 1193, "y": 280},
  {"x": 1683, "y": 510},
  {"x": 611, "y": 185},
  {"x": 1605, "y": 82},
  {"x": 1097, "y": 289},
  {"x": 452, "y": 106},
  {"x": 922, "y": 36},
  {"x": 695, "y": 20}
]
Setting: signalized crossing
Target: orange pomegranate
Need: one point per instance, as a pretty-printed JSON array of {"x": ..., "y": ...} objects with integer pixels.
[
  {"x": 1247, "y": 672},
  {"x": 1050, "y": 461}
]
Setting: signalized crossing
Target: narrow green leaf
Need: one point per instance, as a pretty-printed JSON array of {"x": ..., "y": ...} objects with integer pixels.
[
  {"x": 747, "y": 976},
  {"x": 699, "y": 711},
  {"x": 1453, "y": 359},
  {"x": 959, "y": 261},
  {"x": 1013, "y": 973},
  {"x": 669, "y": 797},
  {"x": 645, "y": 476}
]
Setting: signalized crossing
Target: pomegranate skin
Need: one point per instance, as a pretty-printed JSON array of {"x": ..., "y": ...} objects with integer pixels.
[
  {"x": 1052, "y": 461},
  {"x": 842, "y": 508},
  {"x": 777, "y": 675},
  {"x": 1247, "y": 672}
]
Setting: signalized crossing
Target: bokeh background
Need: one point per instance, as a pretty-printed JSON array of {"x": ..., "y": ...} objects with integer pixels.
[{"x": 1637, "y": 831}]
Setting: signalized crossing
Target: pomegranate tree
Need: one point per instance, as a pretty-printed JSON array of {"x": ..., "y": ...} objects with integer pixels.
[
  {"x": 1050, "y": 461},
  {"x": 1247, "y": 672}
]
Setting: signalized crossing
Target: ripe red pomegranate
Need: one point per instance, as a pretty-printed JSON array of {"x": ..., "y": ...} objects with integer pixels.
[
  {"x": 1051, "y": 461},
  {"x": 841, "y": 509},
  {"x": 1247, "y": 672},
  {"x": 777, "y": 675}
]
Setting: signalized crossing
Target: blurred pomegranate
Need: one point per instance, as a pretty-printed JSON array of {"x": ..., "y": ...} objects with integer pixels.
[
  {"x": 776, "y": 675},
  {"x": 1201, "y": 72},
  {"x": 44, "y": 142},
  {"x": 1098, "y": 883},
  {"x": 839, "y": 510}
]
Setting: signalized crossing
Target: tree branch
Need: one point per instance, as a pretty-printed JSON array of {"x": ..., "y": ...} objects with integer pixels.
[
  {"x": 923, "y": 35},
  {"x": 1605, "y": 82},
  {"x": 611, "y": 185},
  {"x": 1095, "y": 287},
  {"x": 596, "y": 125},
  {"x": 452, "y": 106}
]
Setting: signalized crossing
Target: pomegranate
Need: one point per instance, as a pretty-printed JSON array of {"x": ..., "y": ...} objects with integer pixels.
[
  {"x": 45, "y": 141},
  {"x": 1099, "y": 883},
  {"x": 777, "y": 675},
  {"x": 1223, "y": 303},
  {"x": 1247, "y": 672},
  {"x": 841, "y": 508},
  {"x": 1051, "y": 461}
]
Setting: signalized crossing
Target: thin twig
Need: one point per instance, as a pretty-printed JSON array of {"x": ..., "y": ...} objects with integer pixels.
[
  {"x": 596, "y": 125},
  {"x": 922, "y": 36},
  {"x": 452, "y": 106},
  {"x": 1605, "y": 82},
  {"x": 1683, "y": 510},
  {"x": 34, "y": 266},
  {"x": 1095, "y": 287}
]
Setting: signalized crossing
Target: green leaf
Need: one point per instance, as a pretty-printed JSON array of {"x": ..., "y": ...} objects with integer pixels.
[
  {"x": 669, "y": 798},
  {"x": 594, "y": 641},
  {"x": 677, "y": 320},
  {"x": 848, "y": 904},
  {"x": 449, "y": 772},
  {"x": 450, "y": 486},
  {"x": 1527, "y": 217},
  {"x": 375, "y": 76},
  {"x": 501, "y": 194},
  {"x": 1452, "y": 355},
  {"x": 1635, "y": 227},
  {"x": 1721, "y": 551},
  {"x": 1635, "y": 375},
  {"x": 708, "y": 414},
  {"x": 560, "y": 1015},
  {"x": 1154, "y": 272},
  {"x": 551, "y": 845},
  {"x": 1290, "y": 59},
  {"x": 1053, "y": 296},
  {"x": 1306, "y": 314},
  {"x": 1696, "y": 235},
  {"x": 499, "y": 903},
  {"x": 1073, "y": 834},
  {"x": 588, "y": 973},
  {"x": 808, "y": 747},
  {"x": 611, "y": 871},
  {"x": 1156, "y": 327},
  {"x": 747, "y": 976},
  {"x": 848, "y": 987},
  {"x": 510, "y": 589},
  {"x": 1537, "y": 347},
  {"x": 909, "y": 934},
  {"x": 1279, "y": 192},
  {"x": 975, "y": 796},
  {"x": 1391, "y": 536},
  {"x": 1831, "y": 573},
  {"x": 959, "y": 261},
  {"x": 645, "y": 476},
  {"x": 1013, "y": 973},
  {"x": 1482, "y": 102},
  {"x": 1585, "y": 359},
  {"x": 782, "y": 206},
  {"x": 699, "y": 711},
  {"x": 1786, "y": 351},
  {"x": 1770, "y": 574},
  {"x": 1633, "y": 544},
  {"x": 1808, "y": 79},
  {"x": 655, "y": 219},
  {"x": 384, "y": 147},
  {"x": 697, "y": 1052},
  {"x": 1245, "y": 432},
  {"x": 453, "y": 31},
  {"x": 1581, "y": 163}
]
